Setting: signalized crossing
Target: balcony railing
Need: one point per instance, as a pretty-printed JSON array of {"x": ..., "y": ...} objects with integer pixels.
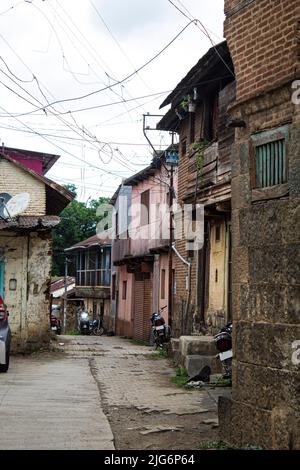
[{"x": 93, "y": 278}]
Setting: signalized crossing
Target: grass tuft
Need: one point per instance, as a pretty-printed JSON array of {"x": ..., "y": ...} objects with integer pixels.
[{"x": 181, "y": 377}]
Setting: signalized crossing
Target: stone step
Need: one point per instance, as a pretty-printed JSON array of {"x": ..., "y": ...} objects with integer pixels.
[
  {"x": 194, "y": 363},
  {"x": 199, "y": 345}
]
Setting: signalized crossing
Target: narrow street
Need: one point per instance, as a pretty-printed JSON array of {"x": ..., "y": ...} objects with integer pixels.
[{"x": 101, "y": 393}]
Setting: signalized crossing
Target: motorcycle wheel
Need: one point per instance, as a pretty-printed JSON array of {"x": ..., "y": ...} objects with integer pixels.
[{"x": 99, "y": 331}]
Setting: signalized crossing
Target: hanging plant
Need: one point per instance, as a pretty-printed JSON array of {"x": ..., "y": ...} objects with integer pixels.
[
  {"x": 199, "y": 148},
  {"x": 184, "y": 103}
]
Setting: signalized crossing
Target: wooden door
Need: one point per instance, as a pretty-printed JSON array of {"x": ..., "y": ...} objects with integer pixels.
[{"x": 142, "y": 306}]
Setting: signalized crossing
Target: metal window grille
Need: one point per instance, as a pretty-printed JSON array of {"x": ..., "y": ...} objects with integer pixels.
[{"x": 270, "y": 164}]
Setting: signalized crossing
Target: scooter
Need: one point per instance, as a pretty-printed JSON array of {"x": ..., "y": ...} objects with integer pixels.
[
  {"x": 223, "y": 342},
  {"x": 161, "y": 332},
  {"x": 55, "y": 324}
]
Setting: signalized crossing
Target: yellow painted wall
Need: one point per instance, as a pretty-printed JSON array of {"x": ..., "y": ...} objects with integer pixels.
[
  {"x": 14, "y": 180},
  {"x": 217, "y": 290}
]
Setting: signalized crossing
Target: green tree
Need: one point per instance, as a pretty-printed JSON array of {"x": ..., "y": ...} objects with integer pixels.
[{"x": 78, "y": 222}]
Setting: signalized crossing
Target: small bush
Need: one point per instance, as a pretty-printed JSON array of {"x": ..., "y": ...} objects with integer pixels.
[
  {"x": 72, "y": 332},
  {"x": 181, "y": 377}
]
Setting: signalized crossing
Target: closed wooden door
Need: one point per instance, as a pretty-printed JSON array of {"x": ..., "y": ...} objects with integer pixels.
[{"x": 142, "y": 306}]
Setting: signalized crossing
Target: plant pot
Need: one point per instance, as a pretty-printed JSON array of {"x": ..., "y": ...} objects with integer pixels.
[{"x": 192, "y": 107}]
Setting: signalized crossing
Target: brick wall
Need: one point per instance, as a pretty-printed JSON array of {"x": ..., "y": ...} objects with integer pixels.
[
  {"x": 15, "y": 180},
  {"x": 263, "y": 38},
  {"x": 182, "y": 320}
]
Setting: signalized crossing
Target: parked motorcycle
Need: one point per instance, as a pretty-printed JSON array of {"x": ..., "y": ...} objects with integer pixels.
[
  {"x": 223, "y": 342},
  {"x": 96, "y": 327},
  {"x": 161, "y": 332},
  {"x": 55, "y": 324},
  {"x": 84, "y": 323}
]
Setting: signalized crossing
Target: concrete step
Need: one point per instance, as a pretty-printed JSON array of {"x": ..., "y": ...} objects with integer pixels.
[{"x": 199, "y": 345}]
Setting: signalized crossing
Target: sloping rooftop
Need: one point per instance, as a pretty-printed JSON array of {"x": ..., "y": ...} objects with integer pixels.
[
  {"x": 214, "y": 70},
  {"x": 103, "y": 239},
  {"x": 47, "y": 159},
  {"x": 59, "y": 282},
  {"x": 57, "y": 197},
  {"x": 145, "y": 173}
]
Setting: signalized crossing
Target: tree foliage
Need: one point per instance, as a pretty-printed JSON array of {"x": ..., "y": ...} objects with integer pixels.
[{"x": 78, "y": 222}]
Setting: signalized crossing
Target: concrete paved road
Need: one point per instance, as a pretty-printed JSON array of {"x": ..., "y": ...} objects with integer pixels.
[
  {"x": 57, "y": 400},
  {"x": 49, "y": 401}
]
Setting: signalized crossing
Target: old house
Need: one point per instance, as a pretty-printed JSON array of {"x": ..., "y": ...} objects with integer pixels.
[
  {"x": 59, "y": 285},
  {"x": 26, "y": 244},
  {"x": 92, "y": 259},
  {"x": 140, "y": 251},
  {"x": 264, "y": 41},
  {"x": 198, "y": 114}
]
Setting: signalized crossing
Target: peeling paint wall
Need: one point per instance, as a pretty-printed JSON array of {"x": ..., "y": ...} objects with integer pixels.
[{"x": 27, "y": 273}]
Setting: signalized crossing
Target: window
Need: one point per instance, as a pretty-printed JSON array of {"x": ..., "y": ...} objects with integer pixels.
[
  {"x": 145, "y": 207},
  {"x": 269, "y": 163},
  {"x": 124, "y": 291},
  {"x": 163, "y": 284},
  {"x": 218, "y": 233}
]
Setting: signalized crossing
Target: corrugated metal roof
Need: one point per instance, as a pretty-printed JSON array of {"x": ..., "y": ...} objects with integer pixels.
[
  {"x": 95, "y": 240},
  {"x": 59, "y": 282}
]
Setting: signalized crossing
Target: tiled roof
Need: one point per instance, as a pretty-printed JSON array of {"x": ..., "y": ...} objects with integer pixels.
[{"x": 30, "y": 222}]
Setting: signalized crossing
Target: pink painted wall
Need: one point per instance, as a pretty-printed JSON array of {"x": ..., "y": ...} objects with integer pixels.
[
  {"x": 157, "y": 232},
  {"x": 32, "y": 164}
]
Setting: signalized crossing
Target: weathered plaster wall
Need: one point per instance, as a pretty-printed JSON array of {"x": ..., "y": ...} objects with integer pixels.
[
  {"x": 28, "y": 261},
  {"x": 14, "y": 180}
]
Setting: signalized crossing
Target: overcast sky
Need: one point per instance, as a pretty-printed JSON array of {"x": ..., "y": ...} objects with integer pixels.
[{"x": 54, "y": 50}]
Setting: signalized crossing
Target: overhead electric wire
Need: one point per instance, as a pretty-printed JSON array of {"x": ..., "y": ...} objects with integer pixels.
[
  {"x": 66, "y": 123},
  {"x": 157, "y": 94},
  {"x": 125, "y": 78},
  {"x": 196, "y": 21},
  {"x": 62, "y": 149},
  {"x": 116, "y": 41},
  {"x": 11, "y": 8},
  {"x": 95, "y": 52}
]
